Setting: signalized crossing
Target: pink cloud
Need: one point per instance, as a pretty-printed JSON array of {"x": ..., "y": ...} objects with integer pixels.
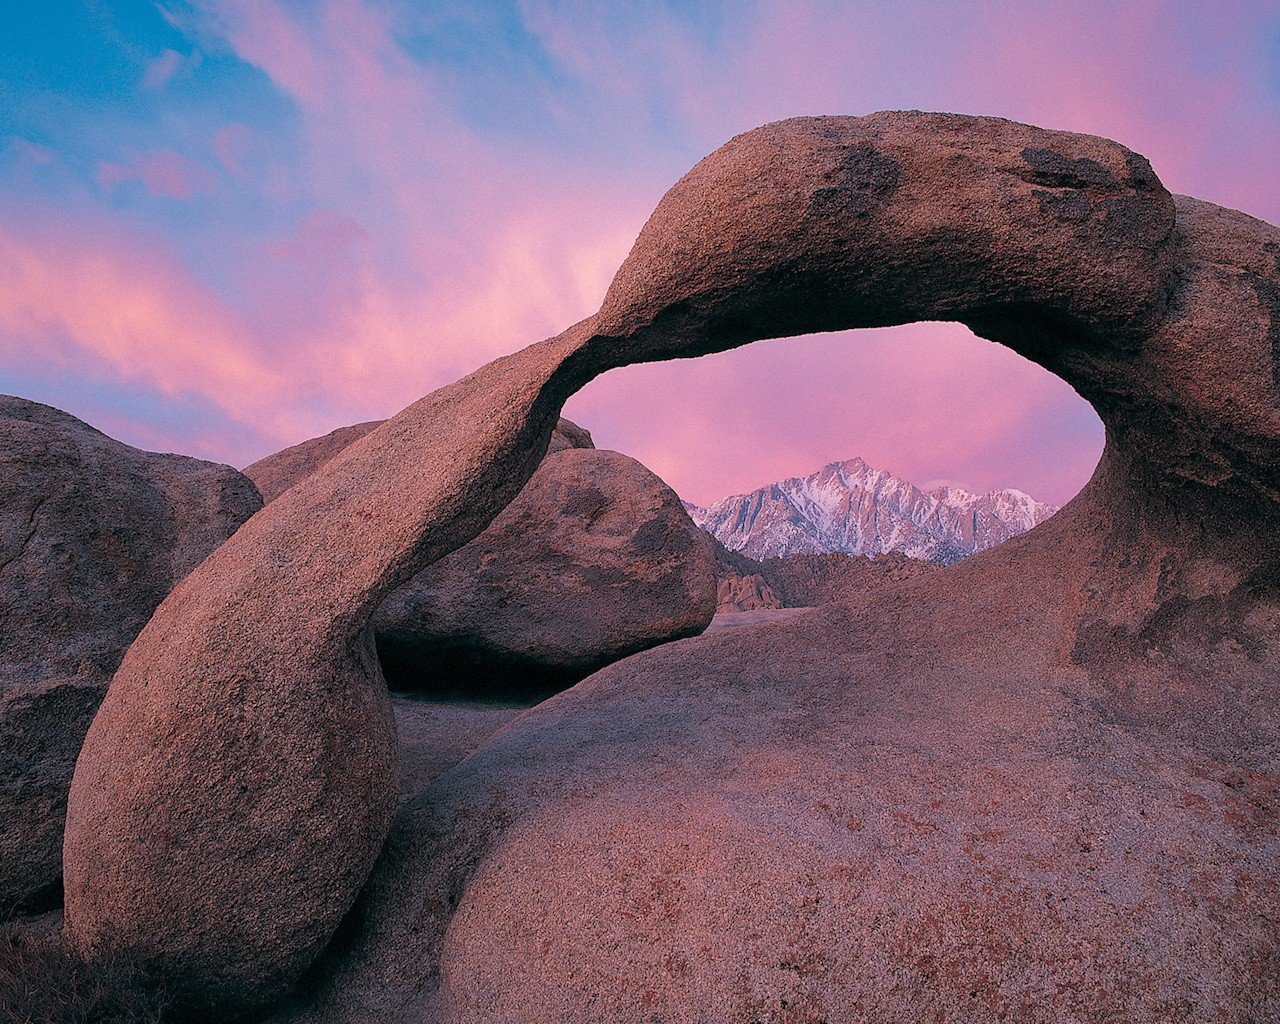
[
  {"x": 369, "y": 340},
  {"x": 1184, "y": 86},
  {"x": 429, "y": 247},
  {"x": 161, "y": 70},
  {"x": 925, "y": 401},
  {"x": 433, "y": 251},
  {"x": 30, "y": 154},
  {"x": 107, "y": 302},
  {"x": 1187, "y": 91},
  {"x": 264, "y": 34},
  {"x": 230, "y": 144},
  {"x": 162, "y": 172},
  {"x": 69, "y": 293},
  {"x": 321, "y": 234},
  {"x": 633, "y": 60},
  {"x": 429, "y": 251}
]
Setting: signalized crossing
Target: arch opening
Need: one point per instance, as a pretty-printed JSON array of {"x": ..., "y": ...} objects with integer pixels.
[{"x": 930, "y": 403}]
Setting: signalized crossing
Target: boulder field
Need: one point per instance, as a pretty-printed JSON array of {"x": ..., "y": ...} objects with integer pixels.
[
  {"x": 1039, "y": 785},
  {"x": 806, "y": 580}
]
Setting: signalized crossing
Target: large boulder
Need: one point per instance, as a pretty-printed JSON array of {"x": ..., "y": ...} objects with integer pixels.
[
  {"x": 1037, "y": 785},
  {"x": 93, "y": 535},
  {"x": 276, "y": 473},
  {"x": 595, "y": 560}
]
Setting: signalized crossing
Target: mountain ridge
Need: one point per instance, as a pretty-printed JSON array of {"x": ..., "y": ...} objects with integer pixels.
[{"x": 850, "y": 506}]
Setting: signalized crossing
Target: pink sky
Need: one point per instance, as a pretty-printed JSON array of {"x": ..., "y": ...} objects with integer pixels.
[{"x": 250, "y": 221}]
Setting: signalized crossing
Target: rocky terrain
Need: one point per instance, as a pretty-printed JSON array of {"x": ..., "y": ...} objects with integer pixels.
[
  {"x": 1038, "y": 784},
  {"x": 805, "y": 580},
  {"x": 594, "y": 561},
  {"x": 850, "y": 507}
]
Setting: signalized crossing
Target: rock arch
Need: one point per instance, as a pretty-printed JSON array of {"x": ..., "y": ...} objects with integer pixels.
[{"x": 238, "y": 782}]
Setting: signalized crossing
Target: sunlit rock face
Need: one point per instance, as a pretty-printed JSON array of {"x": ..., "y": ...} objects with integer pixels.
[
  {"x": 1039, "y": 784},
  {"x": 93, "y": 535}
]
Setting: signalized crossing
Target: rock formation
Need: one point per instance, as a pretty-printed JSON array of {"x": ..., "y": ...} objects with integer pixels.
[
  {"x": 1039, "y": 784},
  {"x": 739, "y": 584},
  {"x": 595, "y": 560},
  {"x": 806, "y": 581},
  {"x": 93, "y": 535},
  {"x": 745, "y": 594}
]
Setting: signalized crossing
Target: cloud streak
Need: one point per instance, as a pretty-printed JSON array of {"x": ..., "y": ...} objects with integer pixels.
[
  {"x": 170, "y": 64},
  {"x": 66, "y": 294}
]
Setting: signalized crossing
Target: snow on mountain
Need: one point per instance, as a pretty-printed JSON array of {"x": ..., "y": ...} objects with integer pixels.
[{"x": 851, "y": 507}]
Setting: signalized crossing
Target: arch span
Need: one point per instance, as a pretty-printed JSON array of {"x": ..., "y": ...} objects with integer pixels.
[{"x": 238, "y": 781}]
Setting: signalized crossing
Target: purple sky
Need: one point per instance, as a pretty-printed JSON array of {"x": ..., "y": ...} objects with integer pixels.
[{"x": 229, "y": 225}]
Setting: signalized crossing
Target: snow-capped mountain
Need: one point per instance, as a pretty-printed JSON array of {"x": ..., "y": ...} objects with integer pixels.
[{"x": 851, "y": 507}]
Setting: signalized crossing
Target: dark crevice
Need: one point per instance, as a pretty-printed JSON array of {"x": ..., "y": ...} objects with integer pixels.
[{"x": 31, "y": 528}]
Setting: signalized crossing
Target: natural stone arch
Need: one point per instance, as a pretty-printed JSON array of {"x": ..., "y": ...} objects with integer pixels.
[{"x": 239, "y": 781}]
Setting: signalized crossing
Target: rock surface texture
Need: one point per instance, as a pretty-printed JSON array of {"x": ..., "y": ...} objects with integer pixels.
[
  {"x": 435, "y": 735},
  {"x": 806, "y": 581},
  {"x": 1038, "y": 785},
  {"x": 276, "y": 473},
  {"x": 93, "y": 535}
]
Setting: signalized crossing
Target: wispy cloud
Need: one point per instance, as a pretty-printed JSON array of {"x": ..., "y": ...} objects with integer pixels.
[
  {"x": 428, "y": 250},
  {"x": 162, "y": 172},
  {"x": 69, "y": 290},
  {"x": 230, "y": 145},
  {"x": 30, "y": 154},
  {"x": 170, "y": 64}
]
